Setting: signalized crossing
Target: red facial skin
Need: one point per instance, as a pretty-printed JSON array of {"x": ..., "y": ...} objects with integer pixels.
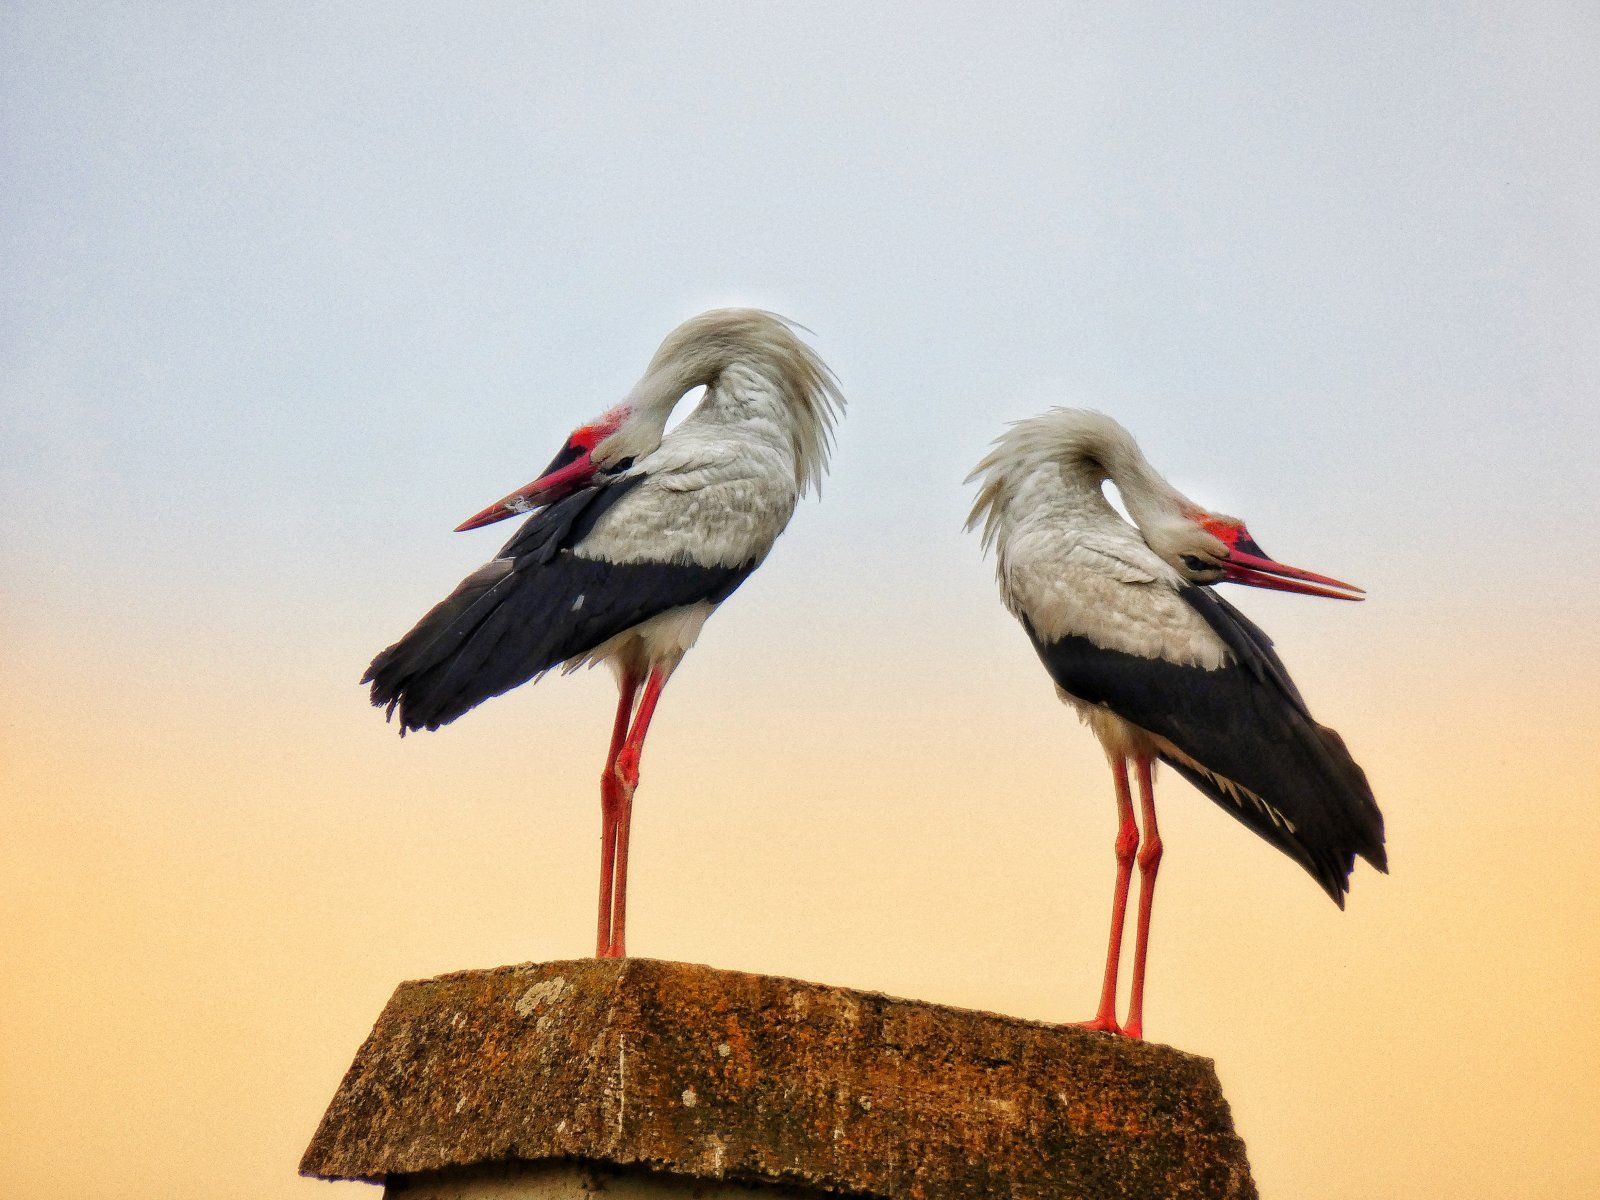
[
  {"x": 1219, "y": 527},
  {"x": 1245, "y": 562},
  {"x": 570, "y": 470}
]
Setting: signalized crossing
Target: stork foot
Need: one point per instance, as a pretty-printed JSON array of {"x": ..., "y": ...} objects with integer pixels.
[{"x": 1104, "y": 1024}]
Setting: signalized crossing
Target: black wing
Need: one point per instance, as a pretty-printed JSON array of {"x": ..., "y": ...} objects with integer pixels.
[
  {"x": 534, "y": 607},
  {"x": 1265, "y": 760}
]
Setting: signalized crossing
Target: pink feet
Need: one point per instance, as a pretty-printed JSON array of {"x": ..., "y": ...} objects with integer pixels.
[{"x": 1105, "y": 1025}]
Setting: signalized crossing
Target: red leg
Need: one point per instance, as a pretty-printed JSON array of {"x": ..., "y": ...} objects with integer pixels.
[
  {"x": 627, "y": 689},
  {"x": 1149, "y": 863},
  {"x": 1127, "y": 842},
  {"x": 627, "y": 772}
]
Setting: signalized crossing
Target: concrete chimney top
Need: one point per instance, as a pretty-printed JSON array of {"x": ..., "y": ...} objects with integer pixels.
[{"x": 643, "y": 1079}]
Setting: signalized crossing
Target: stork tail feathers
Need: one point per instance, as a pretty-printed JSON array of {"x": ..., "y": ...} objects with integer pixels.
[{"x": 395, "y": 674}]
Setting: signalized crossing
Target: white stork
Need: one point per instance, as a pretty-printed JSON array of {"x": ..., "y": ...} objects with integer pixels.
[
  {"x": 1158, "y": 665},
  {"x": 635, "y": 540}
]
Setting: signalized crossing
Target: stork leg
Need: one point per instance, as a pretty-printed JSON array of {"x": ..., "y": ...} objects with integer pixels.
[
  {"x": 1149, "y": 863},
  {"x": 626, "y": 770},
  {"x": 627, "y": 690},
  {"x": 1127, "y": 842}
]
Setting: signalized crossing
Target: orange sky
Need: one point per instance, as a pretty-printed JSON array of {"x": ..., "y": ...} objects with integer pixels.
[{"x": 211, "y": 896}]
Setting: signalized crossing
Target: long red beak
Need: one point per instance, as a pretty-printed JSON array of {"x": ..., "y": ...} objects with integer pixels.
[
  {"x": 561, "y": 478},
  {"x": 568, "y": 471},
  {"x": 1257, "y": 570}
]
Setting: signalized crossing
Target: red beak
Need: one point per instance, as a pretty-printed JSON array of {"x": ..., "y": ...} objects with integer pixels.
[
  {"x": 1248, "y": 564},
  {"x": 568, "y": 472}
]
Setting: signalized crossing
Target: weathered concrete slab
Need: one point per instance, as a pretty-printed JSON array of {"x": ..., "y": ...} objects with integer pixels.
[{"x": 728, "y": 1077}]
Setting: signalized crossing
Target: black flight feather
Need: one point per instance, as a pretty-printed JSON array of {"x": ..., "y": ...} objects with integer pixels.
[
  {"x": 531, "y": 609},
  {"x": 1267, "y": 762}
]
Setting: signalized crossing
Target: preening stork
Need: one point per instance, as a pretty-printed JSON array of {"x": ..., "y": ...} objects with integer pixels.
[
  {"x": 1158, "y": 665},
  {"x": 636, "y": 537}
]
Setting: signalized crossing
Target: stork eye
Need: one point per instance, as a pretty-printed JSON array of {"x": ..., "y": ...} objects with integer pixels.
[{"x": 1196, "y": 563}]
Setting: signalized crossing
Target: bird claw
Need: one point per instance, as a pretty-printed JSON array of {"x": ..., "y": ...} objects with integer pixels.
[{"x": 1103, "y": 1025}]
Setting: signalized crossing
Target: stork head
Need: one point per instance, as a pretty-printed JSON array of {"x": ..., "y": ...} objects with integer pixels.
[
  {"x": 599, "y": 447},
  {"x": 693, "y": 355},
  {"x": 1209, "y": 548}
]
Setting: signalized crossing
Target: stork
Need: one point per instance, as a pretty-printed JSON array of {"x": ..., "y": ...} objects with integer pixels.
[
  {"x": 636, "y": 537},
  {"x": 1161, "y": 667}
]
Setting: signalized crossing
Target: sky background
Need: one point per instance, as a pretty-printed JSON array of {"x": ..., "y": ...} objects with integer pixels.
[{"x": 287, "y": 291}]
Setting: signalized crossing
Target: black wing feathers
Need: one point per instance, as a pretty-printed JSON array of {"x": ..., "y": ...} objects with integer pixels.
[
  {"x": 567, "y": 522},
  {"x": 1248, "y": 641},
  {"x": 534, "y": 607},
  {"x": 1265, "y": 760}
]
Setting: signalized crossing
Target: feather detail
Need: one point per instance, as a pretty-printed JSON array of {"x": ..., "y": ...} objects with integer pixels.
[{"x": 536, "y": 606}]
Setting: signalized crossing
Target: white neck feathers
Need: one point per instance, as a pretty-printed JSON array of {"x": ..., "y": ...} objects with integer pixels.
[
  {"x": 752, "y": 366},
  {"x": 1071, "y": 452}
]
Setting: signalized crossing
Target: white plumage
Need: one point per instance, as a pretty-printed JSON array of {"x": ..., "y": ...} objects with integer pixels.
[
  {"x": 1068, "y": 563},
  {"x": 1067, "y": 560}
]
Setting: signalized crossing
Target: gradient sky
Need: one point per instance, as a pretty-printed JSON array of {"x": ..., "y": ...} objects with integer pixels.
[{"x": 289, "y": 290}]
